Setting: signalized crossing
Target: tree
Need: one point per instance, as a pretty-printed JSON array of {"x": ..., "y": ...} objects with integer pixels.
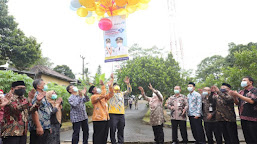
[
  {"x": 210, "y": 65},
  {"x": 245, "y": 65},
  {"x": 233, "y": 48},
  {"x": 97, "y": 75},
  {"x": 162, "y": 73},
  {"x": 44, "y": 61},
  {"x": 136, "y": 51},
  {"x": 18, "y": 50},
  {"x": 65, "y": 70}
]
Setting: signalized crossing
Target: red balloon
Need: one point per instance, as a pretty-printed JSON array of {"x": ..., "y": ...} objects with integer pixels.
[{"x": 105, "y": 24}]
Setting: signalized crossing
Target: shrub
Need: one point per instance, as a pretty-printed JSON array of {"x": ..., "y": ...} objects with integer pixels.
[{"x": 7, "y": 77}]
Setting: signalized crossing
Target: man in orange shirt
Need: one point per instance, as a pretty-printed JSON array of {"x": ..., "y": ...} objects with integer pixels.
[{"x": 100, "y": 113}]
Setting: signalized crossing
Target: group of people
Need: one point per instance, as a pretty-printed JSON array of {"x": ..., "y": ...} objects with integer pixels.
[
  {"x": 214, "y": 106},
  {"x": 41, "y": 113}
]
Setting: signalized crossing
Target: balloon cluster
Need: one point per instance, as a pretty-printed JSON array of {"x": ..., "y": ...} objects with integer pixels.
[{"x": 97, "y": 9}]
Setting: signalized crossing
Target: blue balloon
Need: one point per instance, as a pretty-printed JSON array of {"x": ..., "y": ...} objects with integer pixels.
[
  {"x": 72, "y": 8},
  {"x": 75, "y": 4},
  {"x": 89, "y": 14}
]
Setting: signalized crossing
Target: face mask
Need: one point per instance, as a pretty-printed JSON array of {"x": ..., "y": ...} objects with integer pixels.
[
  {"x": 244, "y": 84},
  {"x": 119, "y": 44},
  {"x": 98, "y": 90},
  {"x": 223, "y": 90},
  {"x": 75, "y": 89},
  {"x": 19, "y": 92},
  {"x": 205, "y": 93},
  {"x": 2, "y": 95},
  {"x": 108, "y": 45},
  {"x": 45, "y": 88},
  {"x": 190, "y": 89},
  {"x": 54, "y": 97},
  {"x": 176, "y": 91}
]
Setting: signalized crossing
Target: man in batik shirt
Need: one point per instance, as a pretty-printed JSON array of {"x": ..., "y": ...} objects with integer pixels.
[
  {"x": 16, "y": 110},
  {"x": 178, "y": 106},
  {"x": 156, "y": 116}
]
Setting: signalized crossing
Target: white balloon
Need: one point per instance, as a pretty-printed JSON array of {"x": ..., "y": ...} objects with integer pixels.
[{"x": 75, "y": 4}]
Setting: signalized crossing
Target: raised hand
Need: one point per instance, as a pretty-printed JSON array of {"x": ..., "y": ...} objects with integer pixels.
[
  {"x": 214, "y": 89},
  {"x": 41, "y": 95},
  {"x": 110, "y": 82},
  {"x": 84, "y": 91},
  {"x": 59, "y": 100},
  {"x": 233, "y": 93},
  {"x": 127, "y": 80},
  {"x": 150, "y": 87},
  {"x": 3, "y": 102},
  {"x": 101, "y": 82},
  {"x": 31, "y": 94},
  {"x": 112, "y": 77},
  {"x": 141, "y": 89}
]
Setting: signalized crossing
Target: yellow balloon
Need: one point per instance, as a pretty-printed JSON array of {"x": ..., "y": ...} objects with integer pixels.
[
  {"x": 121, "y": 3},
  {"x": 144, "y": 1},
  {"x": 121, "y": 11},
  {"x": 100, "y": 11},
  {"x": 82, "y": 12},
  {"x": 133, "y": 2},
  {"x": 106, "y": 3},
  {"x": 142, "y": 6},
  {"x": 87, "y": 3},
  {"x": 131, "y": 9},
  {"x": 90, "y": 20}
]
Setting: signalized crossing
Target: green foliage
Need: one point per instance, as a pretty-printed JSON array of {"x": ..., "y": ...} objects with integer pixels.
[
  {"x": 162, "y": 73},
  {"x": 65, "y": 70},
  {"x": 99, "y": 77},
  {"x": 18, "y": 50},
  {"x": 241, "y": 61},
  {"x": 210, "y": 66},
  {"x": 7, "y": 77}
]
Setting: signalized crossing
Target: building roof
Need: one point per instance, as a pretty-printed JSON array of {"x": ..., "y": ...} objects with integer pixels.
[{"x": 39, "y": 69}]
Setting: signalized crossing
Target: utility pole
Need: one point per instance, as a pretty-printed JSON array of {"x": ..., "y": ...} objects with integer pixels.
[{"x": 83, "y": 59}]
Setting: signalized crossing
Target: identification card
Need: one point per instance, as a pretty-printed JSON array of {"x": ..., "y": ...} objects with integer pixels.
[{"x": 210, "y": 109}]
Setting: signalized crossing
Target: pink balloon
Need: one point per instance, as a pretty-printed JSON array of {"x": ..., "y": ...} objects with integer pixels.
[{"x": 105, "y": 24}]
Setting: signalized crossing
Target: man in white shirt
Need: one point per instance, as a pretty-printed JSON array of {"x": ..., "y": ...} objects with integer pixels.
[{"x": 120, "y": 49}]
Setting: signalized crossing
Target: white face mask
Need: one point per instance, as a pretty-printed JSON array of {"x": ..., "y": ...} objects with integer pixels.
[
  {"x": 1, "y": 95},
  {"x": 108, "y": 45},
  {"x": 119, "y": 44},
  {"x": 190, "y": 89},
  {"x": 98, "y": 91}
]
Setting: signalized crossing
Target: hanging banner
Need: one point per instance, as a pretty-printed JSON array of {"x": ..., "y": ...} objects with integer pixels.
[{"x": 115, "y": 40}]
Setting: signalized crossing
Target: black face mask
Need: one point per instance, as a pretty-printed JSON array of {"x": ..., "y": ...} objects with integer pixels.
[
  {"x": 223, "y": 90},
  {"x": 19, "y": 92}
]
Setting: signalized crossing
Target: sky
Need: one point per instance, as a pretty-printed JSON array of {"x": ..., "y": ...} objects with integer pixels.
[{"x": 205, "y": 27}]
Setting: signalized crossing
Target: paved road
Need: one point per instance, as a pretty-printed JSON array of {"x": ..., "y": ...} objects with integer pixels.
[{"x": 135, "y": 130}]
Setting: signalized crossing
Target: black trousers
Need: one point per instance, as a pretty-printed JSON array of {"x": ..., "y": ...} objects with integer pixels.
[
  {"x": 101, "y": 129},
  {"x": 36, "y": 139},
  {"x": 15, "y": 140},
  {"x": 183, "y": 130},
  {"x": 210, "y": 129},
  {"x": 117, "y": 122},
  {"x": 158, "y": 134},
  {"x": 197, "y": 130},
  {"x": 250, "y": 131},
  {"x": 76, "y": 130},
  {"x": 229, "y": 132}
]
